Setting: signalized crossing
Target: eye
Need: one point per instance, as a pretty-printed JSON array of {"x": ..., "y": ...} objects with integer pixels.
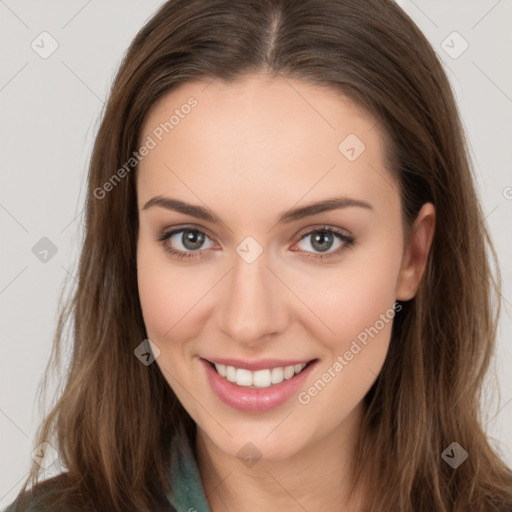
[
  {"x": 185, "y": 241},
  {"x": 191, "y": 243},
  {"x": 325, "y": 242}
]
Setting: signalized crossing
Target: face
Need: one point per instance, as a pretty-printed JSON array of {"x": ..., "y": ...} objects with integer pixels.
[{"x": 236, "y": 267}]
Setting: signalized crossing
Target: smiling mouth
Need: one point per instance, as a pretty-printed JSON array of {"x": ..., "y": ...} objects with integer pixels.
[{"x": 258, "y": 379}]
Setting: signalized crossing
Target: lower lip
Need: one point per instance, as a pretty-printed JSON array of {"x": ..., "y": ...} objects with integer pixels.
[{"x": 253, "y": 399}]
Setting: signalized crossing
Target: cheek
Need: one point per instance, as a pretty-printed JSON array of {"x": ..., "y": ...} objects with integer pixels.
[
  {"x": 166, "y": 293},
  {"x": 357, "y": 305},
  {"x": 354, "y": 296}
]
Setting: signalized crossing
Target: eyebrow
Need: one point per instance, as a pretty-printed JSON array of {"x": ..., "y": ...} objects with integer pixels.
[{"x": 295, "y": 214}]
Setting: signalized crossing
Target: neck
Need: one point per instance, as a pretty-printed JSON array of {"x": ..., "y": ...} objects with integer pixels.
[{"x": 315, "y": 478}]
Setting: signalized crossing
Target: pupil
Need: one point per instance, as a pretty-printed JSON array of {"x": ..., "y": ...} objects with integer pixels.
[
  {"x": 322, "y": 238},
  {"x": 192, "y": 239}
]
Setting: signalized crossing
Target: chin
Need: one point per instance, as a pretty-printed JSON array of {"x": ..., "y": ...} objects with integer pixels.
[{"x": 270, "y": 441}]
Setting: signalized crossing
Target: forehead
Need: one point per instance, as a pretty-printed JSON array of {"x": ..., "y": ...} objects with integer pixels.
[{"x": 273, "y": 138}]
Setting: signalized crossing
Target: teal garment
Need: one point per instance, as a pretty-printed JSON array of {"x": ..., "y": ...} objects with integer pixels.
[
  {"x": 188, "y": 494},
  {"x": 186, "y": 483}
]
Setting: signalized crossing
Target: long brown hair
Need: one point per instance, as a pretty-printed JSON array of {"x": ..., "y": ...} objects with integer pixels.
[{"x": 112, "y": 423}]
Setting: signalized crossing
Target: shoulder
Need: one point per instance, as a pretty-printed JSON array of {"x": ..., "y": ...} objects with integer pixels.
[
  {"x": 51, "y": 494},
  {"x": 59, "y": 495}
]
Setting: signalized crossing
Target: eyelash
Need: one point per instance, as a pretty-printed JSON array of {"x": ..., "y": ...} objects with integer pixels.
[{"x": 347, "y": 240}]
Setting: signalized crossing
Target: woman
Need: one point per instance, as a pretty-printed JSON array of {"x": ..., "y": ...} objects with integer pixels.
[{"x": 284, "y": 297}]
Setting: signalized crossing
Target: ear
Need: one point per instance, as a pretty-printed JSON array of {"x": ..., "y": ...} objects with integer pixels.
[{"x": 416, "y": 253}]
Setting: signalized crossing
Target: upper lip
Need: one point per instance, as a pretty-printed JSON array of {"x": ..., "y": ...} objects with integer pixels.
[{"x": 261, "y": 364}]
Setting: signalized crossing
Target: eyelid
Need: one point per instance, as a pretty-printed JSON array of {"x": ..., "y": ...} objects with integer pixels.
[
  {"x": 321, "y": 227},
  {"x": 168, "y": 232}
]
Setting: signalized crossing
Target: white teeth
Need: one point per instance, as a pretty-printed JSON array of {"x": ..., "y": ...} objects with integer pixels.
[
  {"x": 277, "y": 375},
  {"x": 231, "y": 373},
  {"x": 243, "y": 377},
  {"x": 288, "y": 372},
  {"x": 259, "y": 378}
]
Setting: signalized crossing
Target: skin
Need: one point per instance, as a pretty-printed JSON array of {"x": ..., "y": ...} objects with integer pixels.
[{"x": 249, "y": 151}]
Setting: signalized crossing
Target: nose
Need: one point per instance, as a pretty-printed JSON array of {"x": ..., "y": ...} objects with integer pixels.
[{"x": 252, "y": 306}]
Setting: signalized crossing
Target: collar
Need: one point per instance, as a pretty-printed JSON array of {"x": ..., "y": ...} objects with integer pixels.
[{"x": 187, "y": 489}]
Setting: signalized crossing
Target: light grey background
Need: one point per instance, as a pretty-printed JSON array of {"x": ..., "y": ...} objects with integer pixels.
[{"x": 50, "y": 110}]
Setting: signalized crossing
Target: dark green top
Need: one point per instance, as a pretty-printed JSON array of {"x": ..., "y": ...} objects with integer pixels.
[{"x": 185, "y": 480}]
